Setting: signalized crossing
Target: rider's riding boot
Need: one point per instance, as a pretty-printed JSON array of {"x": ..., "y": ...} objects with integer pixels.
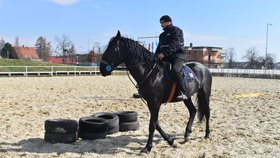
[{"x": 181, "y": 85}]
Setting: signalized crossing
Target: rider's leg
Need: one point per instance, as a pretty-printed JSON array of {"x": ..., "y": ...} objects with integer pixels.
[{"x": 177, "y": 64}]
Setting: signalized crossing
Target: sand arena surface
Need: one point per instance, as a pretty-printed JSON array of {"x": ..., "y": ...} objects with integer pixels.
[{"x": 245, "y": 116}]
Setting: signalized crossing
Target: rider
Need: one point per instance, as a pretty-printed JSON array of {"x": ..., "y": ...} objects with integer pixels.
[{"x": 170, "y": 45}]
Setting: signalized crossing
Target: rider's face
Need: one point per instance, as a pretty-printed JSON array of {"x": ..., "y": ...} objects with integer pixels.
[{"x": 164, "y": 24}]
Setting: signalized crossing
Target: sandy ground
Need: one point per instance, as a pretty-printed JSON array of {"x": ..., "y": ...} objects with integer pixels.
[{"x": 245, "y": 116}]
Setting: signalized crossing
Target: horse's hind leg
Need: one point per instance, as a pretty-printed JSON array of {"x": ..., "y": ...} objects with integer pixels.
[{"x": 192, "y": 111}]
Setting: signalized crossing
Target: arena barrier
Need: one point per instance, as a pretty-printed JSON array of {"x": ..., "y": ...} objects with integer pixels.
[{"x": 94, "y": 70}]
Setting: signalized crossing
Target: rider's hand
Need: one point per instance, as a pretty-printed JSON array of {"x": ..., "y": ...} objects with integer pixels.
[{"x": 160, "y": 56}]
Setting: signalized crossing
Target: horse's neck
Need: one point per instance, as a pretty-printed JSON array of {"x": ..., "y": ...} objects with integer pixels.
[{"x": 138, "y": 68}]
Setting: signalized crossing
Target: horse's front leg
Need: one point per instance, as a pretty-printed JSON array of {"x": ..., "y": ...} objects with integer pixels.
[
  {"x": 154, "y": 110},
  {"x": 167, "y": 137}
]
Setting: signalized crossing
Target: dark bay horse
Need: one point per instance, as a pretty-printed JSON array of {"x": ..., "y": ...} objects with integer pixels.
[{"x": 155, "y": 85}]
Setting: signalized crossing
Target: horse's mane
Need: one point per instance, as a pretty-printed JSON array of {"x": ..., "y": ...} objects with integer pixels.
[{"x": 138, "y": 50}]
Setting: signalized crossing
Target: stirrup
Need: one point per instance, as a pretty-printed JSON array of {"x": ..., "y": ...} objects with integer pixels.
[{"x": 182, "y": 96}]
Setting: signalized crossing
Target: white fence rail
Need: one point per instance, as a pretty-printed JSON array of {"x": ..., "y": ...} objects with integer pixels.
[
  {"x": 260, "y": 73},
  {"x": 50, "y": 70},
  {"x": 94, "y": 70}
]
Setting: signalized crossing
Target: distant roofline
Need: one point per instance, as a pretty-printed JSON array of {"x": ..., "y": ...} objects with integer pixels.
[{"x": 202, "y": 47}]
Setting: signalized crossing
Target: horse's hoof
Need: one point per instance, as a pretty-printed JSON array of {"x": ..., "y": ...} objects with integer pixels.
[
  {"x": 174, "y": 145},
  {"x": 207, "y": 136},
  {"x": 145, "y": 151},
  {"x": 171, "y": 141},
  {"x": 184, "y": 141}
]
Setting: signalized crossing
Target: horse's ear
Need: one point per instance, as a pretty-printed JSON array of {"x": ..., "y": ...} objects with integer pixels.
[{"x": 118, "y": 36}]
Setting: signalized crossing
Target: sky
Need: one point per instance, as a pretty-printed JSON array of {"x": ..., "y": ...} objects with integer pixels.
[{"x": 238, "y": 24}]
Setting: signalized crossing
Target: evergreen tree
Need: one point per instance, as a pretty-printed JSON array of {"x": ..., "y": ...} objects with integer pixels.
[{"x": 7, "y": 51}]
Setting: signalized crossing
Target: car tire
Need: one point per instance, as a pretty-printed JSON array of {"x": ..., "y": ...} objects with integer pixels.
[
  {"x": 129, "y": 126},
  {"x": 92, "y": 125},
  {"x": 111, "y": 119},
  {"x": 127, "y": 116},
  {"x": 61, "y": 126}
]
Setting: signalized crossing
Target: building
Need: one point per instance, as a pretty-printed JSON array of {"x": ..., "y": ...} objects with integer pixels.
[
  {"x": 208, "y": 56},
  {"x": 25, "y": 53},
  {"x": 61, "y": 60}
]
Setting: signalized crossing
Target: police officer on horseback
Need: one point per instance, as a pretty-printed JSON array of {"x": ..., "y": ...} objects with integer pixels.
[{"x": 170, "y": 45}]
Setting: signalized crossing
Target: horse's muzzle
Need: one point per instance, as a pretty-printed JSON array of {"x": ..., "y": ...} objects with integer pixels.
[{"x": 105, "y": 69}]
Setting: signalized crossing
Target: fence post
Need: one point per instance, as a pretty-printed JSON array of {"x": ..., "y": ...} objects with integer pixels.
[
  {"x": 52, "y": 70},
  {"x": 95, "y": 69},
  {"x": 26, "y": 71}
]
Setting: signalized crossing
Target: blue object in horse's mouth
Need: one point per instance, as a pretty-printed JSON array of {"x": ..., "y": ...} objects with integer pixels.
[{"x": 108, "y": 68}]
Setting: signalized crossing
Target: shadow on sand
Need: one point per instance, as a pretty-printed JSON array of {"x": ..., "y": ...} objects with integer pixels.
[{"x": 130, "y": 144}]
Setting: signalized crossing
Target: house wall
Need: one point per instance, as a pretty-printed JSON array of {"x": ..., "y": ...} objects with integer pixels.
[{"x": 208, "y": 56}]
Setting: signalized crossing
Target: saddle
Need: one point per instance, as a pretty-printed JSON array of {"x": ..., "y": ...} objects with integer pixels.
[
  {"x": 190, "y": 80},
  {"x": 186, "y": 71}
]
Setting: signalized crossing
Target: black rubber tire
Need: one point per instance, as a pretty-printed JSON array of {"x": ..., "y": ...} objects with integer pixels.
[
  {"x": 136, "y": 95},
  {"x": 92, "y": 136},
  {"x": 61, "y": 126},
  {"x": 111, "y": 119},
  {"x": 92, "y": 125},
  {"x": 127, "y": 116},
  {"x": 61, "y": 137},
  {"x": 129, "y": 126}
]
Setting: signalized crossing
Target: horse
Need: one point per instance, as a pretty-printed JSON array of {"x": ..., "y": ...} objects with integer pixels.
[{"x": 154, "y": 84}]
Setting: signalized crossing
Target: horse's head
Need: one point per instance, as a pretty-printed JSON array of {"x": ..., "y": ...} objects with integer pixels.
[{"x": 112, "y": 56}]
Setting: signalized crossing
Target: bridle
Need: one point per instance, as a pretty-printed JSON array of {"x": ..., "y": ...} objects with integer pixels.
[{"x": 111, "y": 67}]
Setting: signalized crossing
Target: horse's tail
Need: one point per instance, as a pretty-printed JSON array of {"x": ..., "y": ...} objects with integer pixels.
[{"x": 203, "y": 96}]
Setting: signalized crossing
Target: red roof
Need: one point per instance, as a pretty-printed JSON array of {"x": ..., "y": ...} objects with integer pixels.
[{"x": 26, "y": 53}]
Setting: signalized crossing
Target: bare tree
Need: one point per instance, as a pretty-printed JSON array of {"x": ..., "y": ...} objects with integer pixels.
[
  {"x": 72, "y": 52},
  {"x": 268, "y": 61},
  {"x": 98, "y": 48},
  {"x": 253, "y": 59},
  {"x": 43, "y": 48},
  {"x": 64, "y": 44},
  {"x": 230, "y": 53},
  {"x": 2, "y": 43},
  {"x": 16, "y": 42},
  {"x": 91, "y": 57}
]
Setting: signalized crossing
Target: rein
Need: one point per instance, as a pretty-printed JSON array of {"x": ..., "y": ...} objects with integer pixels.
[
  {"x": 147, "y": 76},
  {"x": 137, "y": 86}
]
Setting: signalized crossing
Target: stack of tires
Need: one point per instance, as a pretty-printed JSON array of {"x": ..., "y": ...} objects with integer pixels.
[
  {"x": 128, "y": 121},
  {"x": 61, "y": 131},
  {"x": 96, "y": 126}
]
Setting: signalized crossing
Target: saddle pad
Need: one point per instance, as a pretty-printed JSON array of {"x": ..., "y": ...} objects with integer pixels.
[{"x": 188, "y": 74}]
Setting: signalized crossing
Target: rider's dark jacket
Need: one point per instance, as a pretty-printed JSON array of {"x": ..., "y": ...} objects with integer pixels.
[{"x": 171, "y": 42}]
